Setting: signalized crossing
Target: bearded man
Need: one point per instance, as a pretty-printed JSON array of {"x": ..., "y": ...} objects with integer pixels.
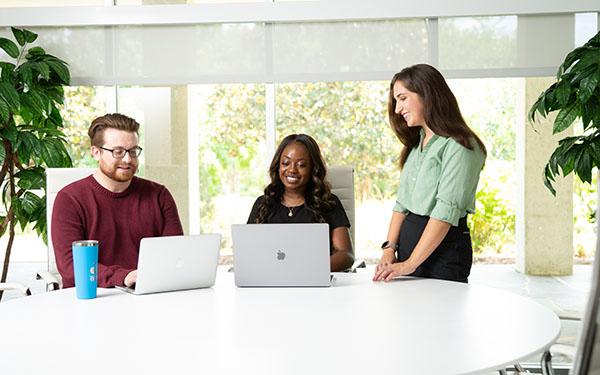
[{"x": 112, "y": 206}]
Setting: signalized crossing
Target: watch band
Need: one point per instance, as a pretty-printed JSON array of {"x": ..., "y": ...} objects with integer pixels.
[{"x": 388, "y": 245}]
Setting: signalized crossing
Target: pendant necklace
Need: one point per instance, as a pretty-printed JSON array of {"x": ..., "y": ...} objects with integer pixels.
[{"x": 291, "y": 213}]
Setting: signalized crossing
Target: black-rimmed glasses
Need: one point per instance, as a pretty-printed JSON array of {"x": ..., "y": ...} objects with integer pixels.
[{"x": 119, "y": 152}]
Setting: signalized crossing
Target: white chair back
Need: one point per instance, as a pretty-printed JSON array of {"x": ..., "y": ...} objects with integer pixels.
[
  {"x": 56, "y": 179},
  {"x": 342, "y": 185}
]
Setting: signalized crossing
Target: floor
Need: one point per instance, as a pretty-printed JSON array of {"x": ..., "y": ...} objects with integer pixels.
[{"x": 566, "y": 295}]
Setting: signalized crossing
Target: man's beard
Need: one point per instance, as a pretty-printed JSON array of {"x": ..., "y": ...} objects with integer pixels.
[{"x": 119, "y": 175}]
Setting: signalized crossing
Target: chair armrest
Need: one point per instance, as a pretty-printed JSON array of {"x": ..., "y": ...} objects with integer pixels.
[
  {"x": 51, "y": 281},
  {"x": 15, "y": 286}
]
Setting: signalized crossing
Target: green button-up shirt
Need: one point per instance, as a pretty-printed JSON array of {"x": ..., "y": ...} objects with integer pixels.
[{"x": 440, "y": 181}]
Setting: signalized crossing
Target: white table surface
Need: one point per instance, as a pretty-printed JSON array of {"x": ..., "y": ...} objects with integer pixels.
[{"x": 408, "y": 326}]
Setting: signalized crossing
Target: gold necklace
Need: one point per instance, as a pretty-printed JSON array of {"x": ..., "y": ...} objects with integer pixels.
[{"x": 291, "y": 213}]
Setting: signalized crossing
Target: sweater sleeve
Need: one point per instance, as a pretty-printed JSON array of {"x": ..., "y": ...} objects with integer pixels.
[
  {"x": 172, "y": 223},
  {"x": 68, "y": 225}
]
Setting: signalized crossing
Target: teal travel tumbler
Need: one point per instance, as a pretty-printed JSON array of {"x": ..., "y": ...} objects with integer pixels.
[{"x": 85, "y": 268}]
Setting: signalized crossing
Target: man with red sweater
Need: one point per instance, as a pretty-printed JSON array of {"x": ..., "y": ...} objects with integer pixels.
[{"x": 112, "y": 206}]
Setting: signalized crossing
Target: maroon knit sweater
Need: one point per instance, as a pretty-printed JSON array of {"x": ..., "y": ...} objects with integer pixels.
[{"x": 84, "y": 210}]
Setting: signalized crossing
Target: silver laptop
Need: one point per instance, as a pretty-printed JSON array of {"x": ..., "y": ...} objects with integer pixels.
[
  {"x": 281, "y": 254},
  {"x": 176, "y": 263}
]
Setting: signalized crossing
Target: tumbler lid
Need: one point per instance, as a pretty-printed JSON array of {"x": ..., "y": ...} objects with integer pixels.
[{"x": 85, "y": 243}]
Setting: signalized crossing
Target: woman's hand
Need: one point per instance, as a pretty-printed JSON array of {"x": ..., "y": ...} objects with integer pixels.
[
  {"x": 393, "y": 270},
  {"x": 387, "y": 258}
]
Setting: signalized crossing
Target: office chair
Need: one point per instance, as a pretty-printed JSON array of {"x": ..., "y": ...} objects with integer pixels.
[
  {"x": 341, "y": 179},
  {"x": 587, "y": 353},
  {"x": 56, "y": 179}
]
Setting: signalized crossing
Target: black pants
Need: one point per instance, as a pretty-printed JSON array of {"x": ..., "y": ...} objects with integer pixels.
[{"x": 451, "y": 260}]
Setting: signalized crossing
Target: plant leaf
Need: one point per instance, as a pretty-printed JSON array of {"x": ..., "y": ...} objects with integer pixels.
[
  {"x": 25, "y": 73},
  {"x": 10, "y": 95},
  {"x": 35, "y": 53},
  {"x": 30, "y": 36},
  {"x": 10, "y": 132},
  {"x": 6, "y": 71},
  {"x": 30, "y": 202},
  {"x": 4, "y": 111},
  {"x": 565, "y": 118},
  {"x": 583, "y": 169},
  {"x": 61, "y": 69},
  {"x": 29, "y": 145},
  {"x": 19, "y": 36},
  {"x": 54, "y": 153},
  {"x": 42, "y": 68},
  {"x": 537, "y": 107},
  {"x": 590, "y": 57},
  {"x": 9, "y": 47},
  {"x": 2, "y": 155},
  {"x": 563, "y": 92},
  {"x": 28, "y": 179},
  {"x": 549, "y": 178},
  {"x": 35, "y": 100},
  {"x": 587, "y": 86},
  {"x": 569, "y": 60}
]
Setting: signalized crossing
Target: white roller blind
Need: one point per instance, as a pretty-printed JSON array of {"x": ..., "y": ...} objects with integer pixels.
[
  {"x": 190, "y": 53},
  {"x": 309, "y": 51},
  {"x": 525, "y": 42},
  {"x": 348, "y": 47}
]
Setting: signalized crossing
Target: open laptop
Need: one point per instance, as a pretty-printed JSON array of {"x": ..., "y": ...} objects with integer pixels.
[
  {"x": 281, "y": 254},
  {"x": 176, "y": 263}
]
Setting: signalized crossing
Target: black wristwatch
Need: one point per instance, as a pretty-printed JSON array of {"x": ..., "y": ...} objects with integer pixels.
[{"x": 387, "y": 245}]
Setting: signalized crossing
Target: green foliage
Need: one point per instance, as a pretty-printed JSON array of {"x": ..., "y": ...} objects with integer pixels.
[
  {"x": 493, "y": 225},
  {"x": 576, "y": 94},
  {"x": 31, "y": 90},
  {"x": 81, "y": 105},
  {"x": 585, "y": 203},
  {"x": 349, "y": 121},
  {"x": 232, "y": 145}
]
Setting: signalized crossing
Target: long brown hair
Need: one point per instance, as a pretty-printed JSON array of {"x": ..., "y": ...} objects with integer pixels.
[
  {"x": 317, "y": 197},
  {"x": 440, "y": 109}
]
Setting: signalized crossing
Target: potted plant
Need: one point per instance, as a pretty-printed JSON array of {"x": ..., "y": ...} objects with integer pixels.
[
  {"x": 31, "y": 89},
  {"x": 575, "y": 95}
]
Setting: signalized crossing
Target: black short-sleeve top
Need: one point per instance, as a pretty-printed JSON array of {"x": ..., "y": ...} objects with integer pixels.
[{"x": 335, "y": 217}]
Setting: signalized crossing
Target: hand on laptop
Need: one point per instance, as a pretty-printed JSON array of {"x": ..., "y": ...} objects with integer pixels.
[{"x": 130, "y": 278}]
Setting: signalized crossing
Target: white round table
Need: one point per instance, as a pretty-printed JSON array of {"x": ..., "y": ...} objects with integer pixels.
[{"x": 407, "y": 326}]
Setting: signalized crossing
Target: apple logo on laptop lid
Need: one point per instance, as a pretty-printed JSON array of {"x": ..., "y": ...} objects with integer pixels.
[{"x": 280, "y": 255}]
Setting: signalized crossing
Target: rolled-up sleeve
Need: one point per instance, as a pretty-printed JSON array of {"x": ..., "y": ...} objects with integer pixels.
[
  {"x": 399, "y": 207},
  {"x": 458, "y": 183}
]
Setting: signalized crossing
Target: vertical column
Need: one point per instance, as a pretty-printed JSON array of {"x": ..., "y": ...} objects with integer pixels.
[
  {"x": 165, "y": 132},
  {"x": 544, "y": 223}
]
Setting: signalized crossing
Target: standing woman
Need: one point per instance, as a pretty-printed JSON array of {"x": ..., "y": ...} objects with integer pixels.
[
  {"x": 300, "y": 193},
  {"x": 441, "y": 162}
]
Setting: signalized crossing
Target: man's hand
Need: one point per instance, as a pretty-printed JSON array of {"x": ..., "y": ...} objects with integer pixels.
[{"x": 130, "y": 279}]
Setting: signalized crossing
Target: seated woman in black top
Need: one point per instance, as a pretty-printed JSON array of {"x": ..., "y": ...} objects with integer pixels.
[{"x": 300, "y": 193}]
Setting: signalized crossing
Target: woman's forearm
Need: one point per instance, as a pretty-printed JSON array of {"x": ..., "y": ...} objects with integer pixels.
[{"x": 432, "y": 236}]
